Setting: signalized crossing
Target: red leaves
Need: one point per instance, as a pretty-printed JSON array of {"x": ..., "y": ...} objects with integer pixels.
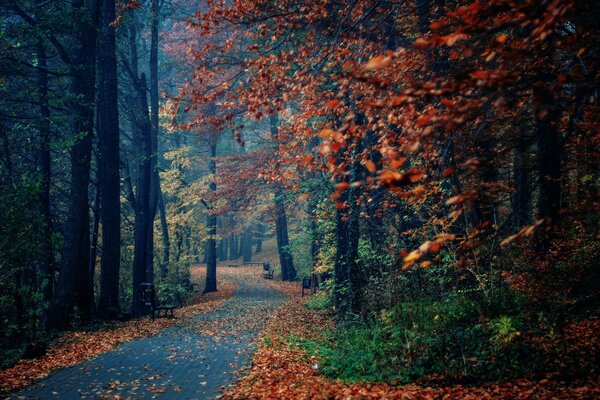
[{"x": 333, "y": 104}]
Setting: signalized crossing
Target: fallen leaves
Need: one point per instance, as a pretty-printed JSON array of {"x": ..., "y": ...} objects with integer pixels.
[
  {"x": 283, "y": 370},
  {"x": 78, "y": 346}
]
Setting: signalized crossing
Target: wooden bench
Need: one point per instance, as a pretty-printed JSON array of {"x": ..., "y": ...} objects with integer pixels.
[
  {"x": 250, "y": 264},
  {"x": 232, "y": 265},
  {"x": 149, "y": 300},
  {"x": 268, "y": 272},
  {"x": 167, "y": 311},
  {"x": 306, "y": 284}
]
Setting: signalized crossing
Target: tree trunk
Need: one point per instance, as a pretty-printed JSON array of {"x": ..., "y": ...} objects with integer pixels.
[
  {"x": 143, "y": 221},
  {"x": 521, "y": 198},
  {"x": 288, "y": 272},
  {"x": 108, "y": 134},
  {"x": 164, "y": 268},
  {"x": 211, "y": 223},
  {"x": 45, "y": 169},
  {"x": 260, "y": 231},
  {"x": 549, "y": 158},
  {"x": 247, "y": 245},
  {"x": 77, "y": 236}
]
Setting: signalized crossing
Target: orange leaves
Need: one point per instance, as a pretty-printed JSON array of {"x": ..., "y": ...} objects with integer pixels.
[
  {"x": 422, "y": 43},
  {"x": 390, "y": 178},
  {"x": 304, "y": 196},
  {"x": 429, "y": 246},
  {"x": 448, "y": 172},
  {"x": 397, "y": 162},
  {"x": 370, "y": 166},
  {"x": 455, "y": 200},
  {"x": 526, "y": 231},
  {"x": 340, "y": 187},
  {"x": 326, "y": 133},
  {"x": 377, "y": 63}
]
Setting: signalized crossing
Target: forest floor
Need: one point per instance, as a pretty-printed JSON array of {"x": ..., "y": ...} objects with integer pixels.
[
  {"x": 240, "y": 343},
  {"x": 281, "y": 369},
  {"x": 190, "y": 356}
]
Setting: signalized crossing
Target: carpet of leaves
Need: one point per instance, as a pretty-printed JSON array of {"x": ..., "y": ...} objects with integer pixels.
[
  {"x": 281, "y": 370},
  {"x": 78, "y": 346}
]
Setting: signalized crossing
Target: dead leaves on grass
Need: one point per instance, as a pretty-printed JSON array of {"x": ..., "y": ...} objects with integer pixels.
[{"x": 280, "y": 370}]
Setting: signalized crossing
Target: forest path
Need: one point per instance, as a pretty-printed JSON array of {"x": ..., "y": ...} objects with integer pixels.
[{"x": 191, "y": 360}]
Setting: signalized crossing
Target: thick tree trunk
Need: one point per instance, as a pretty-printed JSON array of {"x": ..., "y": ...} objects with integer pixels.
[
  {"x": 247, "y": 245},
  {"x": 211, "y": 222},
  {"x": 521, "y": 198},
  {"x": 288, "y": 272},
  {"x": 549, "y": 159},
  {"x": 108, "y": 134},
  {"x": 348, "y": 279},
  {"x": 77, "y": 236}
]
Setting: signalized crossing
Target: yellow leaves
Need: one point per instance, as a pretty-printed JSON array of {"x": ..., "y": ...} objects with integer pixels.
[
  {"x": 377, "y": 63},
  {"x": 411, "y": 258}
]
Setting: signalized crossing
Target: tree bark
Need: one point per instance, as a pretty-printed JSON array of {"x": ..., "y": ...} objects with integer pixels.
[
  {"x": 45, "y": 170},
  {"x": 211, "y": 223},
  {"x": 521, "y": 198},
  {"x": 76, "y": 239},
  {"x": 247, "y": 245},
  {"x": 108, "y": 133},
  {"x": 164, "y": 268}
]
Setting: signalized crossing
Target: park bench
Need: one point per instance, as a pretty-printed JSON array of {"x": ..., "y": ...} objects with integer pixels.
[
  {"x": 267, "y": 271},
  {"x": 149, "y": 300},
  {"x": 306, "y": 284},
  {"x": 232, "y": 265},
  {"x": 255, "y": 264}
]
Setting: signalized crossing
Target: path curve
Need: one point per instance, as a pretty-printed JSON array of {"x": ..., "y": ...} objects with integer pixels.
[{"x": 191, "y": 360}]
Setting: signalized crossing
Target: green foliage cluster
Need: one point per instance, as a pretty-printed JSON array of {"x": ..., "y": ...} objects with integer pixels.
[{"x": 425, "y": 338}]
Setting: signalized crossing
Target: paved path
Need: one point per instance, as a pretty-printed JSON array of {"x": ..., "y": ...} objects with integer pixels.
[{"x": 189, "y": 361}]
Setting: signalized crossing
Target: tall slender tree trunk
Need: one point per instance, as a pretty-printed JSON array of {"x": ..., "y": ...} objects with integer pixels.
[
  {"x": 260, "y": 231},
  {"x": 164, "y": 268},
  {"x": 233, "y": 247},
  {"x": 71, "y": 286},
  {"x": 211, "y": 222},
  {"x": 143, "y": 222},
  {"x": 46, "y": 272},
  {"x": 108, "y": 133}
]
